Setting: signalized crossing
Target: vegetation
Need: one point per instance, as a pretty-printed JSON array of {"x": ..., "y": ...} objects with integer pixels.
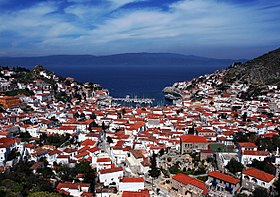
[
  {"x": 277, "y": 186},
  {"x": 269, "y": 144},
  {"x": 154, "y": 171},
  {"x": 46, "y": 194},
  {"x": 55, "y": 139},
  {"x": 109, "y": 140},
  {"x": 175, "y": 169},
  {"x": 169, "y": 159},
  {"x": 20, "y": 181},
  {"x": 265, "y": 165},
  {"x": 69, "y": 174},
  {"x": 25, "y": 92},
  {"x": 24, "y": 136},
  {"x": 234, "y": 166},
  {"x": 259, "y": 192}
]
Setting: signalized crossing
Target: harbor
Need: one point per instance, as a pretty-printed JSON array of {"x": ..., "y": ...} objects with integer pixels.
[{"x": 136, "y": 100}]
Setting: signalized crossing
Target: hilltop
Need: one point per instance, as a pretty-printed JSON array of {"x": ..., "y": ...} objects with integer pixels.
[
  {"x": 263, "y": 70},
  {"x": 250, "y": 78},
  {"x": 126, "y": 59}
]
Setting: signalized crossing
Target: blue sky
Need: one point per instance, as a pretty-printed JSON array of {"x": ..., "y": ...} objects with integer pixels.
[{"x": 212, "y": 28}]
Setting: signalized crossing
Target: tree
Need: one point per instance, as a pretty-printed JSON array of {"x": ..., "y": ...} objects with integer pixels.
[
  {"x": 244, "y": 117},
  {"x": 175, "y": 169},
  {"x": 45, "y": 194},
  {"x": 103, "y": 126},
  {"x": 240, "y": 137},
  {"x": 154, "y": 171},
  {"x": 76, "y": 115},
  {"x": 161, "y": 152},
  {"x": 85, "y": 168},
  {"x": 82, "y": 116},
  {"x": 191, "y": 130},
  {"x": 258, "y": 192},
  {"x": 277, "y": 186},
  {"x": 264, "y": 165},
  {"x": 109, "y": 140},
  {"x": 234, "y": 166}
]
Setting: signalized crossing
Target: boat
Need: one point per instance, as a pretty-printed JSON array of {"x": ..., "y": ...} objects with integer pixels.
[{"x": 171, "y": 97}]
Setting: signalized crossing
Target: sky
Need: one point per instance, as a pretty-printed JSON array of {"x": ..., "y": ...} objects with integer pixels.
[{"x": 210, "y": 28}]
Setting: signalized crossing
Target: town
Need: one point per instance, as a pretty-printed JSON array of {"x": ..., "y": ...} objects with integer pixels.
[{"x": 59, "y": 138}]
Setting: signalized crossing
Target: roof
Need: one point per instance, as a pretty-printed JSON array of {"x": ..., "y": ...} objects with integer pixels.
[
  {"x": 105, "y": 159},
  {"x": 257, "y": 153},
  {"x": 224, "y": 177},
  {"x": 142, "y": 193},
  {"x": 259, "y": 174},
  {"x": 36, "y": 165},
  {"x": 132, "y": 179},
  {"x": 67, "y": 127},
  {"x": 111, "y": 170},
  {"x": 71, "y": 185},
  {"x": 88, "y": 142},
  {"x": 247, "y": 144},
  {"x": 185, "y": 179},
  {"x": 193, "y": 139}
]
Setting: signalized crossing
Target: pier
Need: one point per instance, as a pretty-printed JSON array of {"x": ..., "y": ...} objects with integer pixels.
[{"x": 127, "y": 99}]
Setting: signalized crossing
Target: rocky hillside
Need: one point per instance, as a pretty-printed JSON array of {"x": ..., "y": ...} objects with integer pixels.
[{"x": 259, "y": 71}]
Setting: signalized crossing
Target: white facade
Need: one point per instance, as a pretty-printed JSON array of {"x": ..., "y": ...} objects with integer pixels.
[
  {"x": 131, "y": 186},
  {"x": 109, "y": 178}
]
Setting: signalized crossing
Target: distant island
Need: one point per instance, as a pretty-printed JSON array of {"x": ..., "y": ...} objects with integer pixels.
[{"x": 126, "y": 59}]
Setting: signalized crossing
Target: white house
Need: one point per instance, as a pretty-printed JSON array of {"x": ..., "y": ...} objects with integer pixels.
[
  {"x": 73, "y": 189},
  {"x": 110, "y": 176},
  {"x": 252, "y": 178},
  {"x": 248, "y": 156},
  {"x": 131, "y": 184}
]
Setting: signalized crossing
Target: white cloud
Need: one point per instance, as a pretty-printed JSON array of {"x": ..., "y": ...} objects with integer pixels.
[{"x": 91, "y": 27}]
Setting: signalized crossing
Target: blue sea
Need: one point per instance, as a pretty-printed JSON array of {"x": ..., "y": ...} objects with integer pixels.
[{"x": 140, "y": 81}]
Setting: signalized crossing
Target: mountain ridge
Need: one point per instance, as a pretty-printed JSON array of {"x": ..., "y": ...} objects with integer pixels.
[
  {"x": 262, "y": 70},
  {"x": 123, "y": 59}
]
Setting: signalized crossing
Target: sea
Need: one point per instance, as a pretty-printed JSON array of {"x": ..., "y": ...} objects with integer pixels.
[{"x": 133, "y": 81}]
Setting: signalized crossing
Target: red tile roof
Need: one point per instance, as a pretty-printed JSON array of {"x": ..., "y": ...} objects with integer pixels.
[
  {"x": 193, "y": 139},
  {"x": 132, "y": 179},
  {"x": 247, "y": 144},
  {"x": 253, "y": 152},
  {"x": 103, "y": 160},
  {"x": 259, "y": 174},
  {"x": 83, "y": 154},
  {"x": 71, "y": 185},
  {"x": 88, "y": 142},
  {"x": 67, "y": 128},
  {"x": 224, "y": 177},
  {"x": 111, "y": 170},
  {"x": 185, "y": 179},
  {"x": 142, "y": 193}
]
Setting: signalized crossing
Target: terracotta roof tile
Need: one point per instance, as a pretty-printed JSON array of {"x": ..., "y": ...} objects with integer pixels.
[
  {"x": 193, "y": 139},
  {"x": 132, "y": 179},
  {"x": 259, "y": 174},
  {"x": 224, "y": 177}
]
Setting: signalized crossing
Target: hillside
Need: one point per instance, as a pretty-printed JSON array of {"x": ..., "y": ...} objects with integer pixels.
[
  {"x": 127, "y": 59},
  {"x": 259, "y": 71}
]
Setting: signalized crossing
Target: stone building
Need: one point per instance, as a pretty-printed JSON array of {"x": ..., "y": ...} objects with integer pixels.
[
  {"x": 188, "y": 186},
  {"x": 192, "y": 143}
]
